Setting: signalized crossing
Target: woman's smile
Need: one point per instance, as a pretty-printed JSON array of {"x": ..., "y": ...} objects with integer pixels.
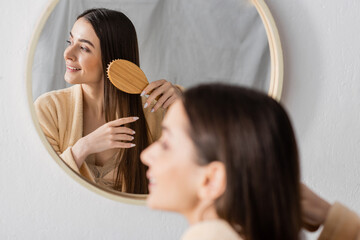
[
  {"x": 72, "y": 69},
  {"x": 152, "y": 181}
]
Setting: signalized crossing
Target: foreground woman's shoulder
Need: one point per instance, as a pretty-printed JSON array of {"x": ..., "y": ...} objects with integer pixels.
[{"x": 211, "y": 230}]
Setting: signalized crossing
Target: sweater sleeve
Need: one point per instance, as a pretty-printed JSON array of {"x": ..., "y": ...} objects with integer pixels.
[
  {"x": 48, "y": 119},
  {"x": 341, "y": 223}
]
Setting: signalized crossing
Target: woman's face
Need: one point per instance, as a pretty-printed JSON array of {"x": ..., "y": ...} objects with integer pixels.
[
  {"x": 83, "y": 55},
  {"x": 173, "y": 174}
]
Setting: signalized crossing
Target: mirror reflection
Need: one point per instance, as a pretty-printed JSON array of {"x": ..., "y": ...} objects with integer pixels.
[{"x": 100, "y": 131}]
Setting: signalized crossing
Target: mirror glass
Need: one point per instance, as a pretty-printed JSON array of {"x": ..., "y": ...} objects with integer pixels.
[{"x": 185, "y": 42}]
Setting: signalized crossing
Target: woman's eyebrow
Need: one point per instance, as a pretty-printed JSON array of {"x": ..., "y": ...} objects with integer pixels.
[{"x": 84, "y": 40}]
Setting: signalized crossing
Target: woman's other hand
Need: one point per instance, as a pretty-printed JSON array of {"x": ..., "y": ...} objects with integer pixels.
[
  {"x": 314, "y": 209},
  {"x": 165, "y": 93},
  {"x": 108, "y": 136}
]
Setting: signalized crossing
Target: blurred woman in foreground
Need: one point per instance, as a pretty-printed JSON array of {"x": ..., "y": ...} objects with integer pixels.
[{"x": 227, "y": 160}]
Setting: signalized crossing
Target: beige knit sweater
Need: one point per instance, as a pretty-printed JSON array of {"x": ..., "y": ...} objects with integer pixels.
[
  {"x": 341, "y": 224},
  {"x": 60, "y": 114}
]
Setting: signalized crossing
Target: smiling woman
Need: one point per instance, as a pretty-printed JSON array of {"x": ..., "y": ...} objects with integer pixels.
[{"x": 92, "y": 124}]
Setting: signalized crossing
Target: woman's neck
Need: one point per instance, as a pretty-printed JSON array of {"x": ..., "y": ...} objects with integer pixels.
[
  {"x": 201, "y": 213},
  {"x": 93, "y": 98}
]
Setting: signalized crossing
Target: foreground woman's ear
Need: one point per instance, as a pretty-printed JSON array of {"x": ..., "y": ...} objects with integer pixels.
[{"x": 213, "y": 184}]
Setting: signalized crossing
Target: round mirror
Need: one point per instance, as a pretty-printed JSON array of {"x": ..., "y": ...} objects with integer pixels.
[{"x": 184, "y": 42}]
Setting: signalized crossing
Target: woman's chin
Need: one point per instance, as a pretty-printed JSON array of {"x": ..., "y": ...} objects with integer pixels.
[
  {"x": 151, "y": 202},
  {"x": 70, "y": 80}
]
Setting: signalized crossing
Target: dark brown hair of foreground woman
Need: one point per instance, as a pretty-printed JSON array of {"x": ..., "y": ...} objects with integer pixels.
[
  {"x": 118, "y": 40},
  {"x": 252, "y": 135}
]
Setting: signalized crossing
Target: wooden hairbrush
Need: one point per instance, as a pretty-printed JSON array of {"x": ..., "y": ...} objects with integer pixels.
[{"x": 127, "y": 76}]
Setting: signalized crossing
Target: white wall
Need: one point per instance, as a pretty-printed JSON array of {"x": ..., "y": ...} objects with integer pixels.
[
  {"x": 322, "y": 56},
  {"x": 322, "y": 91}
]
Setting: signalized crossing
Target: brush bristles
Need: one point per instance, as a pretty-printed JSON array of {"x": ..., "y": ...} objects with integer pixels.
[{"x": 108, "y": 67}]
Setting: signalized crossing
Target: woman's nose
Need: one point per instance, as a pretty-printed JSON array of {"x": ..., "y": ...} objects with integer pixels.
[
  {"x": 69, "y": 53},
  {"x": 146, "y": 155}
]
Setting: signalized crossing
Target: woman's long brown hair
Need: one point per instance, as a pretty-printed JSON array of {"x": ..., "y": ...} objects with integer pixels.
[
  {"x": 252, "y": 135},
  {"x": 118, "y": 40}
]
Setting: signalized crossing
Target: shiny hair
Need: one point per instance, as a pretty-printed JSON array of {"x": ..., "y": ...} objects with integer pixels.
[
  {"x": 252, "y": 135},
  {"x": 118, "y": 40}
]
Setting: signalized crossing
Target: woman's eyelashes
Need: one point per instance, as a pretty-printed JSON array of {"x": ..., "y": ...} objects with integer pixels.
[{"x": 83, "y": 48}]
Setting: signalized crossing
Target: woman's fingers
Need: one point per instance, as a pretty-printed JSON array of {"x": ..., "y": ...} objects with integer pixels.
[
  {"x": 160, "y": 90},
  {"x": 121, "y": 140},
  {"x": 169, "y": 101},
  {"x": 153, "y": 85},
  {"x": 125, "y": 130},
  {"x": 314, "y": 208},
  {"x": 123, "y": 145},
  {"x": 122, "y": 121},
  {"x": 162, "y": 100},
  {"x": 122, "y": 137}
]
